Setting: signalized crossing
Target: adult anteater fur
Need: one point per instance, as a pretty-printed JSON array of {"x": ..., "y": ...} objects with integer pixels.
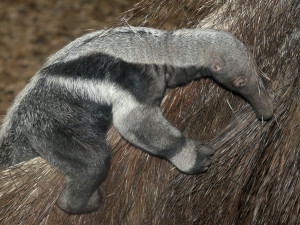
[{"x": 255, "y": 175}]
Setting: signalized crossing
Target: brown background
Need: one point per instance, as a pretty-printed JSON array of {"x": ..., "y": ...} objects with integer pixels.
[
  {"x": 255, "y": 175},
  {"x": 31, "y": 30}
]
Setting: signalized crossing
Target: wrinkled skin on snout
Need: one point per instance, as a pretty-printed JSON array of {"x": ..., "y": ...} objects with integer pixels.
[
  {"x": 255, "y": 93},
  {"x": 236, "y": 70}
]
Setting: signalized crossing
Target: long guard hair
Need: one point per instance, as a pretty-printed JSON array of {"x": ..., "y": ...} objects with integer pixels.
[{"x": 247, "y": 173}]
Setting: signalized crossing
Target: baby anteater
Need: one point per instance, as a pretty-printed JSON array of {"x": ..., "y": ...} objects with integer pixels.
[{"x": 120, "y": 75}]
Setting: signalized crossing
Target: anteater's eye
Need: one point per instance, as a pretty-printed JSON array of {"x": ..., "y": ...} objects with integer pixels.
[{"x": 240, "y": 81}]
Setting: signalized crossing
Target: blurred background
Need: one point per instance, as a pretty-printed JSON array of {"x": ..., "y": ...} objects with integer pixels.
[
  {"x": 32, "y": 30},
  {"x": 255, "y": 175}
]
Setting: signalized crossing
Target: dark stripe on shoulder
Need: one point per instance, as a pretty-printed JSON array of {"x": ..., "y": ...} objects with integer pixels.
[
  {"x": 94, "y": 66},
  {"x": 144, "y": 81}
]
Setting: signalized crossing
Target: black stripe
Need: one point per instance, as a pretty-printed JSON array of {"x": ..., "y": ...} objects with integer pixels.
[
  {"x": 94, "y": 66},
  {"x": 141, "y": 80}
]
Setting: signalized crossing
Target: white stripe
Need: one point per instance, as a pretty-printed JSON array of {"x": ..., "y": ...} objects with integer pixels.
[
  {"x": 103, "y": 92},
  {"x": 185, "y": 160}
]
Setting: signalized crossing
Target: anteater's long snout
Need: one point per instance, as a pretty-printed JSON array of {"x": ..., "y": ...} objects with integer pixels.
[{"x": 255, "y": 93}]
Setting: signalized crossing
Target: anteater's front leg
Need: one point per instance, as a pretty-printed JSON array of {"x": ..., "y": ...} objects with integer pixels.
[{"x": 145, "y": 127}]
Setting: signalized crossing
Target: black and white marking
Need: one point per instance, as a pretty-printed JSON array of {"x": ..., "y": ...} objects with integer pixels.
[{"x": 120, "y": 76}]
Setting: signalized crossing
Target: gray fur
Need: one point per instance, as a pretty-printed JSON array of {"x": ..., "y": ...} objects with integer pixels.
[
  {"x": 120, "y": 76},
  {"x": 181, "y": 48}
]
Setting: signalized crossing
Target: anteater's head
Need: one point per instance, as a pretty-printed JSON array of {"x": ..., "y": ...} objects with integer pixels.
[{"x": 233, "y": 67}]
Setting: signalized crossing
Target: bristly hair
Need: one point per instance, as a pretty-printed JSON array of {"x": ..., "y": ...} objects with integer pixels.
[{"x": 255, "y": 175}]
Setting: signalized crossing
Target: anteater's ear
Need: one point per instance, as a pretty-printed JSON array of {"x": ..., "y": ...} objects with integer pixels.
[{"x": 216, "y": 64}]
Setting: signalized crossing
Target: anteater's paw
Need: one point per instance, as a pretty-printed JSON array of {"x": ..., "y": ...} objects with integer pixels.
[
  {"x": 203, "y": 158},
  {"x": 193, "y": 158},
  {"x": 72, "y": 205}
]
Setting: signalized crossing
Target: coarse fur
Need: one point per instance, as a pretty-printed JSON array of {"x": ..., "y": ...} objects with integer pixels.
[
  {"x": 255, "y": 175},
  {"x": 120, "y": 76}
]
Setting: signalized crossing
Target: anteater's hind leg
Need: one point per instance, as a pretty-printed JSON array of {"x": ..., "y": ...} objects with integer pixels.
[
  {"x": 81, "y": 192},
  {"x": 83, "y": 157}
]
